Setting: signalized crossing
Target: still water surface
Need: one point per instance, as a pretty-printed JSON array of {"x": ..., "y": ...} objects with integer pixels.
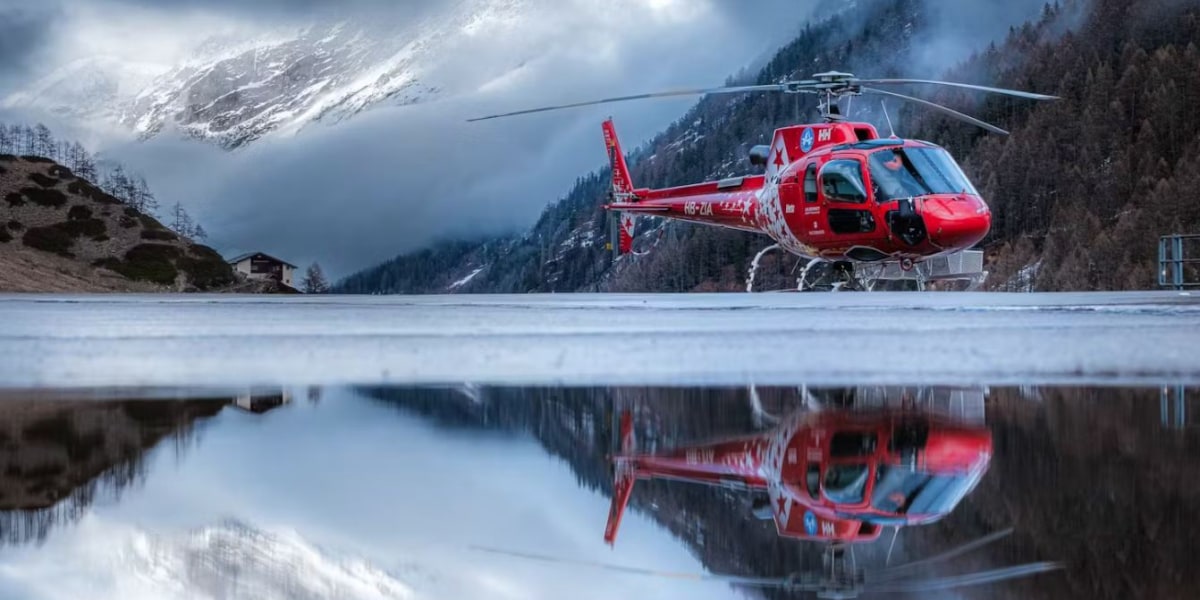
[{"x": 388, "y": 492}]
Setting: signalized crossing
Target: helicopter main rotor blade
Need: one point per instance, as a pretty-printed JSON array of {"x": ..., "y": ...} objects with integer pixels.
[
  {"x": 713, "y": 577},
  {"x": 955, "y": 581},
  {"x": 774, "y": 87},
  {"x": 951, "y": 553},
  {"x": 968, "y": 86},
  {"x": 942, "y": 109}
]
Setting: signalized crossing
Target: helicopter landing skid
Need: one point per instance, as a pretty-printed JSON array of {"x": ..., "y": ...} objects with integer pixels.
[{"x": 841, "y": 578}]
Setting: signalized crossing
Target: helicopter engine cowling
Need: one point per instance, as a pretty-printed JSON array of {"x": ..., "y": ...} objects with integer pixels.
[{"x": 759, "y": 155}]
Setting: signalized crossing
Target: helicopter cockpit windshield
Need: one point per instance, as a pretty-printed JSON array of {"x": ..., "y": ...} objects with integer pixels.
[
  {"x": 846, "y": 483},
  {"x": 909, "y": 172},
  {"x": 905, "y": 491}
]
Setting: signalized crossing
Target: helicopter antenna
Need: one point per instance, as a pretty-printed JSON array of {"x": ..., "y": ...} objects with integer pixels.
[{"x": 883, "y": 105}]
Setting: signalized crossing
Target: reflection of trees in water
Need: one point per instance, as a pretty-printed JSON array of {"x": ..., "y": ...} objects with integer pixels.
[
  {"x": 1091, "y": 478},
  {"x": 1088, "y": 477},
  {"x": 58, "y": 457}
]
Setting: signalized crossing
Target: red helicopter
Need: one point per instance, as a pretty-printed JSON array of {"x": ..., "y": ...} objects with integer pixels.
[
  {"x": 826, "y": 476},
  {"x": 837, "y": 477},
  {"x": 831, "y": 192}
]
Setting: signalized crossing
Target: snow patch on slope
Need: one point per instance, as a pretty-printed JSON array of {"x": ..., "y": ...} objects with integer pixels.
[{"x": 465, "y": 280}]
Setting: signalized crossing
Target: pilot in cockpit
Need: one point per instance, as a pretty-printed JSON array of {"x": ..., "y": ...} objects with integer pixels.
[{"x": 889, "y": 176}]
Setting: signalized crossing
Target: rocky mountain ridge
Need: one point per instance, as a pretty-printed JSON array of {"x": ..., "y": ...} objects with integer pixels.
[{"x": 235, "y": 90}]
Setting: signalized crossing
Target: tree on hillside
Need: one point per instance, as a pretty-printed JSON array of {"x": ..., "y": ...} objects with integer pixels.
[
  {"x": 140, "y": 196},
  {"x": 116, "y": 182},
  {"x": 314, "y": 280},
  {"x": 130, "y": 189},
  {"x": 28, "y": 140},
  {"x": 40, "y": 141},
  {"x": 82, "y": 162},
  {"x": 181, "y": 221},
  {"x": 10, "y": 141},
  {"x": 43, "y": 143}
]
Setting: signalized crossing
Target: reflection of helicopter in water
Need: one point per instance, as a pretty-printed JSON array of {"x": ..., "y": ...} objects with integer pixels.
[
  {"x": 826, "y": 476},
  {"x": 836, "y": 476}
]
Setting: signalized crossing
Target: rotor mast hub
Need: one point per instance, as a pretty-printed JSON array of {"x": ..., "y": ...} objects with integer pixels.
[{"x": 833, "y": 86}]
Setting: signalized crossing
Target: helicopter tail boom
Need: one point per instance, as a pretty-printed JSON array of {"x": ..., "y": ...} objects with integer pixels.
[{"x": 624, "y": 476}]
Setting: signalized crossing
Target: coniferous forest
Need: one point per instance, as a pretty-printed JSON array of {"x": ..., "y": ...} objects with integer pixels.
[{"x": 1080, "y": 191}]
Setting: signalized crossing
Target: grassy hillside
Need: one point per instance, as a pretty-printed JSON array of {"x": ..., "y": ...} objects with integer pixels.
[{"x": 61, "y": 233}]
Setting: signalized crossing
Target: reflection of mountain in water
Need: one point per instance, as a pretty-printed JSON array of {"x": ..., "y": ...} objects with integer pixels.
[
  {"x": 58, "y": 456},
  {"x": 1088, "y": 477},
  {"x": 234, "y": 560}
]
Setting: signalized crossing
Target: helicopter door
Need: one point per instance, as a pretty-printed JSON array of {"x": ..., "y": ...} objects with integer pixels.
[
  {"x": 845, "y": 200},
  {"x": 806, "y": 215}
]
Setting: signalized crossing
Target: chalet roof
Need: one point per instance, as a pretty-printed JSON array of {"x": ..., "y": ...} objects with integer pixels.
[{"x": 241, "y": 257}]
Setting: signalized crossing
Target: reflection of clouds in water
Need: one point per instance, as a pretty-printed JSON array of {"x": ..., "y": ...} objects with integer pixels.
[{"x": 354, "y": 479}]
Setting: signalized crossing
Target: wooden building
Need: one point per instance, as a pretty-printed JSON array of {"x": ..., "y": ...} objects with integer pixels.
[{"x": 262, "y": 266}]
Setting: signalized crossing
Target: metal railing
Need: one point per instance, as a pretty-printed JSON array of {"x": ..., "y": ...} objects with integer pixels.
[
  {"x": 965, "y": 266},
  {"x": 1173, "y": 407},
  {"x": 1175, "y": 270}
]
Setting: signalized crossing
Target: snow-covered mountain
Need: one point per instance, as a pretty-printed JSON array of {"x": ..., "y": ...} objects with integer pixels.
[
  {"x": 87, "y": 90},
  {"x": 233, "y": 90}
]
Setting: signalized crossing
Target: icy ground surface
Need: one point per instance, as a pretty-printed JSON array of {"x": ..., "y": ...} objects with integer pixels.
[{"x": 77, "y": 341}]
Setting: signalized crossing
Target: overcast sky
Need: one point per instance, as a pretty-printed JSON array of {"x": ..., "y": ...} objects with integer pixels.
[{"x": 396, "y": 178}]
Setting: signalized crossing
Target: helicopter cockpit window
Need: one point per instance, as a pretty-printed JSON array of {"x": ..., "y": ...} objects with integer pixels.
[
  {"x": 846, "y": 484},
  {"x": 907, "y": 172},
  {"x": 896, "y": 487},
  {"x": 810, "y": 184},
  {"x": 845, "y": 444},
  {"x": 842, "y": 181}
]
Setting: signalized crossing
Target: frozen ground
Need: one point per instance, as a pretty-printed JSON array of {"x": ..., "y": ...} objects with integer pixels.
[{"x": 89, "y": 341}]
